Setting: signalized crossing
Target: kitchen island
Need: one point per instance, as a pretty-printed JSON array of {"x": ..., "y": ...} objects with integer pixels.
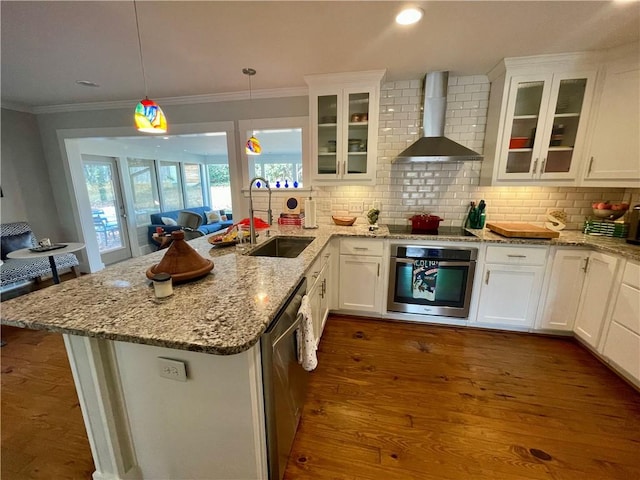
[{"x": 118, "y": 336}]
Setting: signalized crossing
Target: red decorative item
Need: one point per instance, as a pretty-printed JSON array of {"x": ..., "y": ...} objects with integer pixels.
[
  {"x": 425, "y": 223},
  {"x": 258, "y": 223}
]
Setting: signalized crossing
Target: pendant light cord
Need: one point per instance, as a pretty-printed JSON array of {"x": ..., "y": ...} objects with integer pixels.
[
  {"x": 144, "y": 77},
  {"x": 249, "y": 72}
]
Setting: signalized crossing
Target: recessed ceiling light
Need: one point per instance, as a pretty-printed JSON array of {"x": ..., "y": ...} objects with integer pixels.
[
  {"x": 409, "y": 16},
  {"x": 87, "y": 83}
]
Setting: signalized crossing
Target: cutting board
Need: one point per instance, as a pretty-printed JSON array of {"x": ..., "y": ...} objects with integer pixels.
[{"x": 521, "y": 230}]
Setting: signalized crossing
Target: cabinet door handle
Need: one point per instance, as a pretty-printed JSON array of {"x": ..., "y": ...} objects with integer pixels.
[
  {"x": 516, "y": 256},
  {"x": 590, "y": 165},
  {"x": 535, "y": 167},
  {"x": 544, "y": 160},
  {"x": 586, "y": 265},
  {"x": 378, "y": 270},
  {"x": 486, "y": 277},
  {"x": 324, "y": 287},
  {"x": 344, "y": 167}
]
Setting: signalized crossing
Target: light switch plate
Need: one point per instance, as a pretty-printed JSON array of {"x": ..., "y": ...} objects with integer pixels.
[
  {"x": 172, "y": 369},
  {"x": 356, "y": 207}
]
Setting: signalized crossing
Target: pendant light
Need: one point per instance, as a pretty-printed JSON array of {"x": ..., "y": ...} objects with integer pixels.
[
  {"x": 149, "y": 117},
  {"x": 252, "y": 147}
]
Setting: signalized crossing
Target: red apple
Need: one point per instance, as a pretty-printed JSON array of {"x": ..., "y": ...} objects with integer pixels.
[
  {"x": 594, "y": 205},
  {"x": 616, "y": 207},
  {"x": 603, "y": 206},
  {"x": 624, "y": 205}
]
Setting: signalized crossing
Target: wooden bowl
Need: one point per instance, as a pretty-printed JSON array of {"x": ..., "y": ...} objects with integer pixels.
[{"x": 344, "y": 221}]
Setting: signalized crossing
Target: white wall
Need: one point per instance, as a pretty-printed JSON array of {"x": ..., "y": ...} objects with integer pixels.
[{"x": 26, "y": 186}]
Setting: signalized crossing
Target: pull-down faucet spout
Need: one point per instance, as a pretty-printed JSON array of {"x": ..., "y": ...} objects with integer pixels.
[{"x": 252, "y": 226}]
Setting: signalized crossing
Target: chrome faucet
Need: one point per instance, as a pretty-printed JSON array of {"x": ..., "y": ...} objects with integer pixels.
[{"x": 252, "y": 226}]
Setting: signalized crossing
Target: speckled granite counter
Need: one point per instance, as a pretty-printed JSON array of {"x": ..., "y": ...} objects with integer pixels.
[{"x": 223, "y": 313}]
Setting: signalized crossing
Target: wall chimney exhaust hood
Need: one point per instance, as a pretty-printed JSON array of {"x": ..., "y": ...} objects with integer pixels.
[{"x": 434, "y": 146}]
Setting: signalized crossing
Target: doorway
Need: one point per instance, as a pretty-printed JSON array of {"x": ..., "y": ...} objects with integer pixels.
[{"x": 107, "y": 207}]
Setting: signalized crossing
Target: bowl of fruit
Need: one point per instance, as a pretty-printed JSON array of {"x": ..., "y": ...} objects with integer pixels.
[{"x": 608, "y": 210}]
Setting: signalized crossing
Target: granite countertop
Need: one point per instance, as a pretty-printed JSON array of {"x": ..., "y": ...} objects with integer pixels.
[{"x": 226, "y": 311}]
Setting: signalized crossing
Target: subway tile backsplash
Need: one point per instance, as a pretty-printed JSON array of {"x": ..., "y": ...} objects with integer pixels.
[{"x": 446, "y": 189}]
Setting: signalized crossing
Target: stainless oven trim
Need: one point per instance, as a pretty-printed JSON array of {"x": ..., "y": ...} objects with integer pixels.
[
  {"x": 473, "y": 257},
  {"x": 393, "y": 306}
]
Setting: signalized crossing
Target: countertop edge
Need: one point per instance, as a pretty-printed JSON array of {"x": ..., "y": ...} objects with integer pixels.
[{"x": 231, "y": 345}]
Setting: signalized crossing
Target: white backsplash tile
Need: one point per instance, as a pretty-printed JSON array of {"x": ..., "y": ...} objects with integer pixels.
[{"x": 404, "y": 189}]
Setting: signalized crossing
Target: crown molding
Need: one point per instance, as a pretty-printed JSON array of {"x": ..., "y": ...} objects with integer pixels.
[
  {"x": 187, "y": 100},
  {"x": 17, "y": 107}
]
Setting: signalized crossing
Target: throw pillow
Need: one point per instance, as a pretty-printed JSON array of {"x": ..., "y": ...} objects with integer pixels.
[
  {"x": 15, "y": 242},
  {"x": 223, "y": 218},
  {"x": 169, "y": 221},
  {"x": 212, "y": 217}
]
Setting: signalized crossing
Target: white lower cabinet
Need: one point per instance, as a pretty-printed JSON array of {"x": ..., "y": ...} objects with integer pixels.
[
  {"x": 360, "y": 275},
  {"x": 318, "y": 291},
  {"x": 563, "y": 288},
  {"x": 511, "y": 284},
  {"x": 595, "y": 296},
  {"x": 622, "y": 344}
]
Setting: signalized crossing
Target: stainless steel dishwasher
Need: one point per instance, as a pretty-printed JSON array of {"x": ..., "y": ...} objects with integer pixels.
[{"x": 285, "y": 382}]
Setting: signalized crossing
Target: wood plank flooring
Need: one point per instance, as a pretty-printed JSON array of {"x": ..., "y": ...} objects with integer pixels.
[
  {"x": 392, "y": 400},
  {"x": 43, "y": 435},
  {"x": 388, "y": 401}
]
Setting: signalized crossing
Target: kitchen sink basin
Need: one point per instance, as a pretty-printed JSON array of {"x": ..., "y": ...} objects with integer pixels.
[{"x": 283, "y": 247}]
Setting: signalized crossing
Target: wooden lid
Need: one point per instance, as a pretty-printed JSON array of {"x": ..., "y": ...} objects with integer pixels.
[{"x": 181, "y": 261}]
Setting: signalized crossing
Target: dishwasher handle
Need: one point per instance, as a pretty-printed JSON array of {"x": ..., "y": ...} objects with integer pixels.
[{"x": 292, "y": 328}]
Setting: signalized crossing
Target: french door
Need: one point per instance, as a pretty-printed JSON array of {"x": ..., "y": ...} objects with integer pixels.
[{"x": 107, "y": 208}]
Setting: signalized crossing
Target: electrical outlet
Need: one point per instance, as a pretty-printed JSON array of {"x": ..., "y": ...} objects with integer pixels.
[
  {"x": 356, "y": 207},
  {"x": 172, "y": 369}
]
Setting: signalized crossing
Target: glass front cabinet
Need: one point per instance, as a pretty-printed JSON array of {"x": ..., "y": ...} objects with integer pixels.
[
  {"x": 343, "y": 110},
  {"x": 545, "y": 126},
  {"x": 539, "y": 113}
]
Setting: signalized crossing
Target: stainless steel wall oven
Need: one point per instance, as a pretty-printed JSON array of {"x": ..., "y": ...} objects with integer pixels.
[{"x": 431, "y": 280}]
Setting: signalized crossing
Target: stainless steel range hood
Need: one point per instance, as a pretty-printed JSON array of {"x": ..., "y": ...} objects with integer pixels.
[{"x": 434, "y": 146}]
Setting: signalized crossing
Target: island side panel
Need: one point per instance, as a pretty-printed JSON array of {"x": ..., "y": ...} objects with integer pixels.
[
  {"x": 210, "y": 426},
  {"x": 99, "y": 391}
]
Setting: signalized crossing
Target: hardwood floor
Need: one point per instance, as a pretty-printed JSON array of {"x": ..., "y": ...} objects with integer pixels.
[
  {"x": 388, "y": 401},
  {"x": 43, "y": 435},
  {"x": 406, "y": 401}
]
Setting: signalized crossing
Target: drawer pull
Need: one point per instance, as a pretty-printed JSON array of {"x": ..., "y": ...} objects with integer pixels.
[
  {"x": 360, "y": 248},
  {"x": 516, "y": 256}
]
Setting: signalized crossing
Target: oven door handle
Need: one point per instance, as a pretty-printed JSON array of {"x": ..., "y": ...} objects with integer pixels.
[{"x": 444, "y": 263}]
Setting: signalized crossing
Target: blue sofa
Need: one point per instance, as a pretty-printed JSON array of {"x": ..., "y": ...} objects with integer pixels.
[{"x": 205, "y": 228}]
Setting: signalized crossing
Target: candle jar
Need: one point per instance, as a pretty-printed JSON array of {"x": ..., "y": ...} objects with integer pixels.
[{"x": 162, "y": 285}]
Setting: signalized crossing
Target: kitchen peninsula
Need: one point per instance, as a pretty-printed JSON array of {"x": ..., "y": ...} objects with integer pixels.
[{"x": 141, "y": 425}]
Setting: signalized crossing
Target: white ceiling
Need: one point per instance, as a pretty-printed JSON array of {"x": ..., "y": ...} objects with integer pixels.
[{"x": 194, "y": 48}]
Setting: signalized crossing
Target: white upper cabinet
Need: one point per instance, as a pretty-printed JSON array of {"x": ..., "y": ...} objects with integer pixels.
[
  {"x": 614, "y": 147},
  {"x": 537, "y": 120},
  {"x": 343, "y": 110}
]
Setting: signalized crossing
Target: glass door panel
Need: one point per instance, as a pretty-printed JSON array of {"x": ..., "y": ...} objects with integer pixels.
[
  {"x": 523, "y": 128},
  {"x": 358, "y": 133},
  {"x": 194, "y": 194},
  {"x": 107, "y": 208},
  {"x": 566, "y": 120},
  {"x": 170, "y": 186},
  {"x": 327, "y": 134},
  {"x": 142, "y": 180}
]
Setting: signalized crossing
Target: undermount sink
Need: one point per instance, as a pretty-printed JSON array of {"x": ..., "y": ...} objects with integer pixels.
[{"x": 283, "y": 247}]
